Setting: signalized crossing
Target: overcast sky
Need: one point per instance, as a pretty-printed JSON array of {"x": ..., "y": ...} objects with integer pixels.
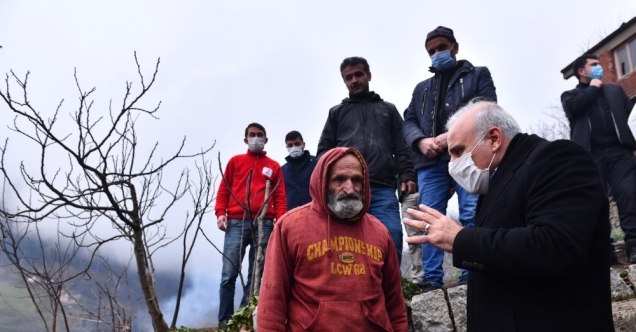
[{"x": 225, "y": 64}]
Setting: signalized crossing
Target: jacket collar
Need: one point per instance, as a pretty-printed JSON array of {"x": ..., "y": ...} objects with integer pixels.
[
  {"x": 252, "y": 154},
  {"x": 515, "y": 156},
  {"x": 368, "y": 97},
  {"x": 582, "y": 85},
  {"x": 302, "y": 159},
  {"x": 462, "y": 65}
]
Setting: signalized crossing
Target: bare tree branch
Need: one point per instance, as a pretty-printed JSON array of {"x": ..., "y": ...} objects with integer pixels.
[{"x": 105, "y": 181}]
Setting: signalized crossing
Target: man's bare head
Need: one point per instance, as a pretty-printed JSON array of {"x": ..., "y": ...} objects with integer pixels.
[{"x": 485, "y": 123}]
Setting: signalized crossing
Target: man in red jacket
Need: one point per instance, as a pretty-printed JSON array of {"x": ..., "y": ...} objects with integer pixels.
[
  {"x": 330, "y": 265},
  {"x": 237, "y": 207}
]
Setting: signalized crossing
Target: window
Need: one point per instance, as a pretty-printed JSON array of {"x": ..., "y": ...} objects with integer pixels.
[
  {"x": 626, "y": 58},
  {"x": 632, "y": 50}
]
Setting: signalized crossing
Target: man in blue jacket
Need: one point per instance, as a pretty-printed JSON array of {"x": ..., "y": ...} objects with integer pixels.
[
  {"x": 598, "y": 115},
  {"x": 434, "y": 100},
  {"x": 297, "y": 171}
]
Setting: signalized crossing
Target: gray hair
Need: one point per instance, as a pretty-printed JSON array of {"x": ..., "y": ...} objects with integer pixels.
[{"x": 489, "y": 115}]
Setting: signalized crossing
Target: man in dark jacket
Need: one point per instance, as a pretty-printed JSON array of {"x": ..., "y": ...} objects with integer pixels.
[
  {"x": 598, "y": 114},
  {"x": 297, "y": 170},
  {"x": 374, "y": 127},
  {"x": 434, "y": 101},
  {"x": 537, "y": 253}
]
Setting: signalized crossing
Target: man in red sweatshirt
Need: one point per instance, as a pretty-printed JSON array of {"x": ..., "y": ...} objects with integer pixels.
[
  {"x": 330, "y": 265},
  {"x": 238, "y": 206}
]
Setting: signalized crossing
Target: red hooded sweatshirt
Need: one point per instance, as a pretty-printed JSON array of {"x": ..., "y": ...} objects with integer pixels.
[{"x": 327, "y": 274}]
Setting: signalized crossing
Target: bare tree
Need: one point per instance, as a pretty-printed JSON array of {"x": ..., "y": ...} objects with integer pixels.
[
  {"x": 53, "y": 274},
  {"x": 45, "y": 271},
  {"x": 107, "y": 306},
  {"x": 106, "y": 179},
  {"x": 201, "y": 196},
  {"x": 557, "y": 127},
  {"x": 259, "y": 259},
  {"x": 602, "y": 30}
]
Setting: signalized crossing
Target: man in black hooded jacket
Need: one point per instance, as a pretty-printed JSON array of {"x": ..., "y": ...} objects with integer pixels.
[
  {"x": 598, "y": 114},
  {"x": 374, "y": 127}
]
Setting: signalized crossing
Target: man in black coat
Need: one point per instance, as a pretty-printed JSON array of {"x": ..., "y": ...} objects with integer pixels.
[
  {"x": 538, "y": 251},
  {"x": 598, "y": 116},
  {"x": 374, "y": 127}
]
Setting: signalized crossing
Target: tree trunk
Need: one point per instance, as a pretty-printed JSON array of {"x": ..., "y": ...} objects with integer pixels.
[
  {"x": 260, "y": 260},
  {"x": 127, "y": 325},
  {"x": 147, "y": 283}
]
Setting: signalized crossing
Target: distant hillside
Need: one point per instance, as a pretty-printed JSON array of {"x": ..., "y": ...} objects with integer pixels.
[{"x": 17, "y": 312}]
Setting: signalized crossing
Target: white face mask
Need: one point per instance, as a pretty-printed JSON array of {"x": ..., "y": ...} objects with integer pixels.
[
  {"x": 295, "y": 151},
  {"x": 467, "y": 175},
  {"x": 256, "y": 144}
]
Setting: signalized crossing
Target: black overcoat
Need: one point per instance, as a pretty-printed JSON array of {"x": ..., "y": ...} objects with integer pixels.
[{"x": 538, "y": 254}]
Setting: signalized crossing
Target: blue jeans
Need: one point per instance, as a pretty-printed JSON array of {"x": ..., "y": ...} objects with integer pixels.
[
  {"x": 434, "y": 184},
  {"x": 238, "y": 236},
  {"x": 385, "y": 206}
]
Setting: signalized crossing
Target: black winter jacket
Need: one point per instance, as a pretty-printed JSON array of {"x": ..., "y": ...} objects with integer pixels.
[
  {"x": 419, "y": 118},
  {"x": 297, "y": 181},
  {"x": 374, "y": 127},
  {"x": 579, "y": 102}
]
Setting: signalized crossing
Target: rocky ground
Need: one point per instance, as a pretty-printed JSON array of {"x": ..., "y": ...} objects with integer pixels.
[{"x": 446, "y": 311}]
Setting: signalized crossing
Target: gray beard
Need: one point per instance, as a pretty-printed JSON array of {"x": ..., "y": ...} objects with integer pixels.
[{"x": 345, "y": 207}]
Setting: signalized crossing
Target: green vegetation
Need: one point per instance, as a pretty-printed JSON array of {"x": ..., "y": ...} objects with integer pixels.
[
  {"x": 16, "y": 309},
  {"x": 409, "y": 289},
  {"x": 18, "y": 314},
  {"x": 617, "y": 235},
  {"x": 622, "y": 297},
  {"x": 242, "y": 317},
  {"x": 187, "y": 329}
]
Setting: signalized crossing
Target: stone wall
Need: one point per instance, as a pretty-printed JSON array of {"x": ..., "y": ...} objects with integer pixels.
[{"x": 445, "y": 311}]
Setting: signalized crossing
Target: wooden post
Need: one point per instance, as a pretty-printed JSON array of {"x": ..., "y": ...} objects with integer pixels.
[{"x": 259, "y": 259}]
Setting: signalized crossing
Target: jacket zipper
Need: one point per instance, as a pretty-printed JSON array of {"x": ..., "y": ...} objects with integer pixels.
[
  {"x": 618, "y": 134},
  {"x": 461, "y": 81},
  {"x": 424, "y": 101},
  {"x": 616, "y": 127},
  {"x": 600, "y": 108},
  {"x": 435, "y": 108}
]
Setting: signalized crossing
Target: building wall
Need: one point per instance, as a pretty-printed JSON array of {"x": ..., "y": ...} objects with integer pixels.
[
  {"x": 610, "y": 74},
  {"x": 609, "y": 67}
]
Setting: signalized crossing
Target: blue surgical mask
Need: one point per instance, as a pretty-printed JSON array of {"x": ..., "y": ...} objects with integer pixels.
[
  {"x": 596, "y": 72},
  {"x": 443, "y": 60}
]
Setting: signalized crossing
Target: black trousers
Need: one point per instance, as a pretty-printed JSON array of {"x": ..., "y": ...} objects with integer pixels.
[{"x": 618, "y": 169}]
